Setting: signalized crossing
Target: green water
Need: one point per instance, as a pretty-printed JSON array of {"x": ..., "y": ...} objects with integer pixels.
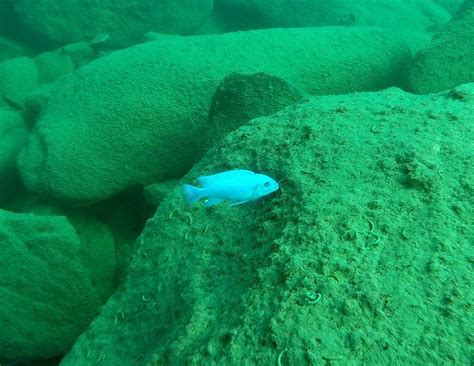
[{"x": 362, "y": 112}]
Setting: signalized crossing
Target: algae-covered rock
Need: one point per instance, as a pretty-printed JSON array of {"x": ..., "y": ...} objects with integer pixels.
[
  {"x": 35, "y": 103},
  {"x": 18, "y": 79},
  {"x": 140, "y": 115},
  {"x": 53, "y": 65},
  {"x": 13, "y": 135},
  {"x": 349, "y": 261},
  {"x": 66, "y": 21},
  {"x": 11, "y": 49},
  {"x": 449, "y": 59},
  {"x": 409, "y": 20},
  {"x": 155, "y": 193},
  {"x": 97, "y": 250},
  {"x": 393, "y": 14},
  {"x": 48, "y": 287},
  {"x": 97, "y": 253},
  {"x": 80, "y": 52},
  {"x": 240, "y": 98},
  {"x": 450, "y": 5}
]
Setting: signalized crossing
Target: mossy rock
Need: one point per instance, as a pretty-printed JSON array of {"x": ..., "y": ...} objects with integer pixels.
[
  {"x": 449, "y": 60},
  {"x": 13, "y": 135},
  {"x": 240, "y": 98},
  {"x": 450, "y": 5},
  {"x": 18, "y": 79},
  {"x": 56, "y": 23},
  {"x": 412, "y": 21},
  {"x": 51, "y": 284},
  {"x": 350, "y": 256},
  {"x": 53, "y": 65},
  {"x": 140, "y": 115},
  {"x": 155, "y": 193},
  {"x": 11, "y": 49}
]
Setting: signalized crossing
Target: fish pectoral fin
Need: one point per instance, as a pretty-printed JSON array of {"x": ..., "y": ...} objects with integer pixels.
[
  {"x": 239, "y": 203},
  {"x": 212, "y": 202}
]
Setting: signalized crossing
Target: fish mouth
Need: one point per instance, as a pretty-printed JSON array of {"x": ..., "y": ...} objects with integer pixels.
[{"x": 276, "y": 186}]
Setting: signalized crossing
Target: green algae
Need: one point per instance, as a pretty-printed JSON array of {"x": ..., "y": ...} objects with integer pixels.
[{"x": 373, "y": 216}]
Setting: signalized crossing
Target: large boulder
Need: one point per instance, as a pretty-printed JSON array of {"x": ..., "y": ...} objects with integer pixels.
[
  {"x": 13, "y": 135},
  {"x": 393, "y": 14},
  {"x": 449, "y": 59},
  {"x": 410, "y": 20},
  {"x": 12, "y": 49},
  {"x": 140, "y": 115},
  {"x": 18, "y": 79},
  {"x": 450, "y": 5},
  {"x": 52, "y": 65},
  {"x": 54, "y": 278},
  {"x": 240, "y": 98},
  {"x": 66, "y": 21},
  {"x": 368, "y": 240}
]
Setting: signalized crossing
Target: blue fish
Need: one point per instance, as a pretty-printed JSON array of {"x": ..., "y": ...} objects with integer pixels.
[{"x": 236, "y": 186}]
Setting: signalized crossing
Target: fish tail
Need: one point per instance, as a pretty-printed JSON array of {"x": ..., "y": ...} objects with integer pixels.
[{"x": 190, "y": 193}]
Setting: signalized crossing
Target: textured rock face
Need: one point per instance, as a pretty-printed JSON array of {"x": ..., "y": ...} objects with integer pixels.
[
  {"x": 352, "y": 255},
  {"x": 53, "y": 65},
  {"x": 13, "y": 135},
  {"x": 389, "y": 13},
  {"x": 54, "y": 278},
  {"x": 240, "y": 98},
  {"x": 141, "y": 115},
  {"x": 126, "y": 22},
  {"x": 11, "y": 49},
  {"x": 451, "y": 5},
  {"x": 409, "y": 20},
  {"x": 18, "y": 79},
  {"x": 449, "y": 59}
]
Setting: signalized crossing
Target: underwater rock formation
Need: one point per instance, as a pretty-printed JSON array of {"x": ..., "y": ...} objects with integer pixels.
[
  {"x": 11, "y": 49},
  {"x": 18, "y": 79},
  {"x": 393, "y": 14},
  {"x": 361, "y": 257},
  {"x": 13, "y": 135},
  {"x": 60, "y": 22},
  {"x": 53, "y": 65},
  {"x": 240, "y": 98},
  {"x": 54, "y": 278},
  {"x": 449, "y": 59},
  {"x": 140, "y": 115},
  {"x": 409, "y": 20},
  {"x": 450, "y": 5}
]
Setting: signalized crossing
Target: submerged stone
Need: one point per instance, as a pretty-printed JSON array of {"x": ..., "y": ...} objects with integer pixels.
[
  {"x": 351, "y": 255},
  {"x": 140, "y": 115}
]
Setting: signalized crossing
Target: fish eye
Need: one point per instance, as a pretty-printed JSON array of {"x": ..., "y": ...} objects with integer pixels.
[{"x": 267, "y": 184}]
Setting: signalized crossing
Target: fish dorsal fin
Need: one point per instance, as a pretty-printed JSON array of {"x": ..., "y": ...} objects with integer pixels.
[{"x": 209, "y": 180}]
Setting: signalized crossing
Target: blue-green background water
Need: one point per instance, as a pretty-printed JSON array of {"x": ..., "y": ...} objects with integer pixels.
[{"x": 361, "y": 110}]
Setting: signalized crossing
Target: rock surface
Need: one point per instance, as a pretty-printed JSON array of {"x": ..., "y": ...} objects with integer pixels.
[
  {"x": 66, "y": 21},
  {"x": 12, "y": 49},
  {"x": 53, "y": 65},
  {"x": 240, "y": 98},
  {"x": 450, "y": 5},
  {"x": 352, "y": 255},
  {"x": 54, "y": 278},
  {"x": 140, "y": 115},
  {"x": 18, "y": 79},
  {"x": 13, "y": 135},
  {"x": 449, "y": 59},
  {"x": 410, "y": 20}
]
